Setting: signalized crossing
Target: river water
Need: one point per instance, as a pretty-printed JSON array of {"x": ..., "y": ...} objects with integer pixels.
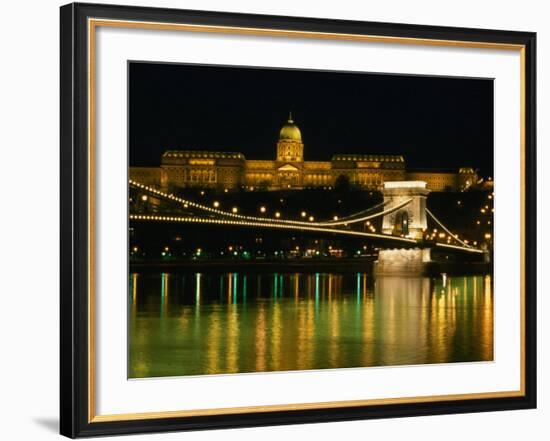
[{"x": 217, "y": 323}]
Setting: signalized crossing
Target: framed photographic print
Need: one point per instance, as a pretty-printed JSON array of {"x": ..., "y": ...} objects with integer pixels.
[{"x": 272, "y": 220}]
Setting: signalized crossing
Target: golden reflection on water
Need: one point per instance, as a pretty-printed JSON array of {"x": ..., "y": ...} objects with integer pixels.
[
  {"x": 232, "y": 338},
  {"x": 309, "y": 336},
  {"x": 133, "y": 287},
  {"x": 261, "y": 344},
  {"x": 334, "y": 320},
  {"x": 226, "y": 323},
  {"x": 213, "y": 345},
  {"x": 275, "y": 359}
]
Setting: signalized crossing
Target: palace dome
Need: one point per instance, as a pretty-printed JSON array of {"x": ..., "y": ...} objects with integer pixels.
[{"x": 290, "y": 131}]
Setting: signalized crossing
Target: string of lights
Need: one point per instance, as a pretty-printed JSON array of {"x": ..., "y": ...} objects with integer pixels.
[
  {"x": 337, "y": 222},
  {"x": 265, "y": 224},
  {"x": 268, "y": 224}
]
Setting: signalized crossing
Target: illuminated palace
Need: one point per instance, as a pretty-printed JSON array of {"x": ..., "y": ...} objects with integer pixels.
[{"x": 231, "y": 170}]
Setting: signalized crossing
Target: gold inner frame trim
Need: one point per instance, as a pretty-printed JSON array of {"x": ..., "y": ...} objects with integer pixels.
[
  {"x": 92, "y": 25},
  {"x": 299, "y": 406}
]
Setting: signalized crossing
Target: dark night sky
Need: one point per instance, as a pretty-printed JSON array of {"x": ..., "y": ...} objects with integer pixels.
[{"x": 434, "y": 122}]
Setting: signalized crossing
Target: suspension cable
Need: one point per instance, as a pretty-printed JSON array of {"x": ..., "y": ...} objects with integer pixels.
[
  {"x": 454, "y": 236},
  {"x": 268, "y": 224},
  {"x": 256, "y": 218}
]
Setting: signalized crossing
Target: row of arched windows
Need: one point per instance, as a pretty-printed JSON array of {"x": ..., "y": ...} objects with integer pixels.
[{"x": 205, "y": 175}]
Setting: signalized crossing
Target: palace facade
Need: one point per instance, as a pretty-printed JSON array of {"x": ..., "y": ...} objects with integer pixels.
[{"x": 232, "y": 171}]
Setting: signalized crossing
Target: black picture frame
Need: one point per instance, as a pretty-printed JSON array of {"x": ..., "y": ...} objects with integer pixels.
[{"x": 76, "y": 418}]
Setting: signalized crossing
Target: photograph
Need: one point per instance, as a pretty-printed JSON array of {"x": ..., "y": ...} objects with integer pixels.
[
  {"x": 279, "y": 218},
  {"x": 294, "y": 219}
]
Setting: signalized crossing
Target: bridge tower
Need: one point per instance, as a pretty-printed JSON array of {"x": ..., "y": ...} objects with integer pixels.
[{"x": 410, "y": 220}]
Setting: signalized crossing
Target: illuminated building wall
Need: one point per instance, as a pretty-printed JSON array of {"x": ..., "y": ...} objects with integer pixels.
[
  {"x": 231, "y": 170},
  {"x": 436, "y": 181},
  {"x": 445, "y": 181}
]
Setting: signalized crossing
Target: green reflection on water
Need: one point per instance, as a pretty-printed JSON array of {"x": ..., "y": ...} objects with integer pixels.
[{"x": 220, "y": 323}]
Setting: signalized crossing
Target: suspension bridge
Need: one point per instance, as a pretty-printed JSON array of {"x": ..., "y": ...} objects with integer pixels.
[{"x": 404, "y": 219}]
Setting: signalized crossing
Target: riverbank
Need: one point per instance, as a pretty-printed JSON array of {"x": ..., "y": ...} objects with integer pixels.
[{"x": 313, "y": 265}]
